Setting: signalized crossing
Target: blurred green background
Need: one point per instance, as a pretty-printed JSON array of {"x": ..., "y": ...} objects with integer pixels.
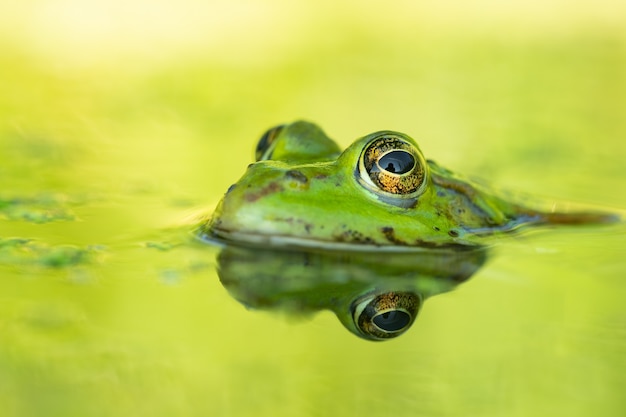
[{"x": 121, "y": 121}]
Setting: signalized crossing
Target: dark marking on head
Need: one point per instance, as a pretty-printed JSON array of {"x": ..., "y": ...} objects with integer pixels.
[
  {"x": 353, "y": 236},
  {"x": 271, "y": 188},
  {"x": 296, "y": 175},
  {"x": 436, "y": 229},
  {"x": 453, "y": 233},
  {"x": 390, "y": 235},
  {"x": 425, "y": 244},
  {"x": 232, "y": 187}
]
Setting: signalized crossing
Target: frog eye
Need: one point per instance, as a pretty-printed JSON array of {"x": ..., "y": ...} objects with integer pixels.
[
  {"x": 394, "y": 168},
  {"x": 384, "y": 316},
  {"x": 265, "y": 146}
]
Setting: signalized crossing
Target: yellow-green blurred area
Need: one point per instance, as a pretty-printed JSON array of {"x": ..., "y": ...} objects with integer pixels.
[{"x": 122, "y": 120}]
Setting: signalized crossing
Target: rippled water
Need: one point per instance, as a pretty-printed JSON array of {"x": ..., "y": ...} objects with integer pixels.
[{"x": 114, "y": 142}]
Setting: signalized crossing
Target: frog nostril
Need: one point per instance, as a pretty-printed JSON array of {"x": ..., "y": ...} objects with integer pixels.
[{"x": 232, "y": 187}]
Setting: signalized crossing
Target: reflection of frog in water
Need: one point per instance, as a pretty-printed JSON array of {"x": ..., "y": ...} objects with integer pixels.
[
  {"x": 375, "y": 295},
  {"x": 379, "y": 227},
  {"x": 380, "y": 193}
]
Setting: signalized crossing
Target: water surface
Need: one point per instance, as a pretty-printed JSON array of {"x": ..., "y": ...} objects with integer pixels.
[{"x": 113, "y": 143}]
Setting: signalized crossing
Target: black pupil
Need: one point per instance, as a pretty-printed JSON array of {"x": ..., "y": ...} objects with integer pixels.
[
  {"x": 392, "y": 321},
  {"x": 397, "y": 162}
]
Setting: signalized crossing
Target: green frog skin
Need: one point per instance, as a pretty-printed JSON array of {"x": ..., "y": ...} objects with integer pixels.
[{"x": 379, "y": 194}]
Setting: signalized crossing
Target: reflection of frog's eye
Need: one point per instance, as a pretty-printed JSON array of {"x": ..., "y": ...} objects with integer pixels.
[
  {"x": 383, "y": 316},
  {"x": 393, "y": 168},
  {"x": 266, "y": 144}
]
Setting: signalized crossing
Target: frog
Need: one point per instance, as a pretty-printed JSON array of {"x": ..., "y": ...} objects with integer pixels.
[{"x": 379, "y": 194}]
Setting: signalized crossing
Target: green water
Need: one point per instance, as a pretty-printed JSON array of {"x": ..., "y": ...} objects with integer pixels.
[{"x": 120, "y": 124}]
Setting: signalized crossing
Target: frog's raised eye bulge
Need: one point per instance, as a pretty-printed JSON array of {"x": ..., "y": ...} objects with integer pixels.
[
  {"x": 383, "y": 316},
  {"x": 265, "y": 146},
  {"x": 393, "y": 168}
]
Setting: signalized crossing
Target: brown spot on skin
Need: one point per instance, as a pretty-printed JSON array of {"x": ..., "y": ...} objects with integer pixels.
[
  {"x": 423, "y": 244},
  {"x": 390, "y": 235},
  {"x": 321, "y": 176},
  {"x": 272, "y": 187},
  {"x": 296, "y": 175},
  {"x": 353, "y": 236}
]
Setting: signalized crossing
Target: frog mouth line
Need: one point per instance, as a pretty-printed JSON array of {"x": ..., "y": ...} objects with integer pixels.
[{"x": 225, "y": 237}]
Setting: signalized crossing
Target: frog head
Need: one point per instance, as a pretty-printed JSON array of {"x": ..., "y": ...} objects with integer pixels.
[{"x": 380, "y": 193}]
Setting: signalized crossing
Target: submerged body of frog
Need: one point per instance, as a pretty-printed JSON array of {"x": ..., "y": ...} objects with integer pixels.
[{"x": 378, "y": 194}]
